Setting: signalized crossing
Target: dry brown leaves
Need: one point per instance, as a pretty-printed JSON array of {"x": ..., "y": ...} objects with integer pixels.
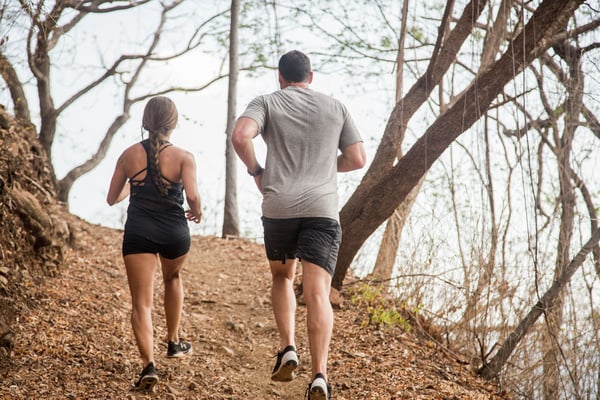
[{"x": 77, "y": 342}]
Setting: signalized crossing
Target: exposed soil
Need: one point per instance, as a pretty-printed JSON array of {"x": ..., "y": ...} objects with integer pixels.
[{"x": 75, "y": 340}]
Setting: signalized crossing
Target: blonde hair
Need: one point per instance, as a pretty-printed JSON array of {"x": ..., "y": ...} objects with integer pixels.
[{"x": 160, "y": 118}]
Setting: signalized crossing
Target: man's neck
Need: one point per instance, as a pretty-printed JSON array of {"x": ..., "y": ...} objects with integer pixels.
[{"x": 302, "y": 85}]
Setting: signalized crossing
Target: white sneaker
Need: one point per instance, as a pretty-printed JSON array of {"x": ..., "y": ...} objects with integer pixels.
[
  {"x": 319, "y": 389},
  {"x": 287, "y": 362}
]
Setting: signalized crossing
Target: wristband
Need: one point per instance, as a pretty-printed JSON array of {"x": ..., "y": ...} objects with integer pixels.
[{"x": 257, "y": 172}]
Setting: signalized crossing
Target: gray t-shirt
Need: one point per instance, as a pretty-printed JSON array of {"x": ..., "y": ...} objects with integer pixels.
[{"x": 303, "y": 130}]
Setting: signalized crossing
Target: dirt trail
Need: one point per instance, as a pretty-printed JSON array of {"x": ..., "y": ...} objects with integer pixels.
[{"x": 75, "y": 340}]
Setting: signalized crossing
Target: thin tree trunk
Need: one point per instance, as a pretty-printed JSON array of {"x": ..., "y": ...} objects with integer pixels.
[
  {"x": 555, "y": 314},
  {"x": 231, "y": 224},
  {"x": 386, "y": 257}
]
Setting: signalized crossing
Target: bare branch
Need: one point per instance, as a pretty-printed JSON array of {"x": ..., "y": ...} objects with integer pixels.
[
  {"x": 17, "y": 93},
  {"x": 576, "y": 32},
  {"x": 192, "y": 89},
  {"x": 193, "y": 43},
  {"x": 316, "y": 24},
  {"x": 95, "y": 6},
  {"x": 591, "y": 47},
  {"x": 108, "y": 73},
  {"x": 495, "y": 36},
  {"x": 441, "y": 37},
  {"x": 492, "y": 368},
  {"x": 144, "y": 61},
  {"x": 65, "y": 184},
  {"x": 592, "y": 122},
  {"x": 195, "y": 39}
]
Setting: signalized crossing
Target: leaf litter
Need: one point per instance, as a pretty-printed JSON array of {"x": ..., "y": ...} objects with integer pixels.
[{"x": 75, "y": 341}]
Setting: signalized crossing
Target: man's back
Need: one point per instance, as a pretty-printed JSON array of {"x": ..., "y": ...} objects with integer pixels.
[{"x": 303, "y": 130}]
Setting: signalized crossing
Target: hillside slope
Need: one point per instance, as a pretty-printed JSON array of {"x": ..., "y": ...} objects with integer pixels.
[
  {"x": 65, "y": 306},
  {"x": 76, "y": 342}
]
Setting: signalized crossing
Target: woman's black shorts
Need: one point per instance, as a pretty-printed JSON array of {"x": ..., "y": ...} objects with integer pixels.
[{"x": 137, "y": 244}]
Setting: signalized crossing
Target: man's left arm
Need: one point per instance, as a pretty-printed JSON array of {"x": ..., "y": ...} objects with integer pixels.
[{"x": 353, "y": 157}]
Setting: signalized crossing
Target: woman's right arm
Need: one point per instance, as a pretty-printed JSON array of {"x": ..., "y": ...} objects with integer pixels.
[
  {"x": 118, "y": 189},
  {"x": 190, "y": 185}
]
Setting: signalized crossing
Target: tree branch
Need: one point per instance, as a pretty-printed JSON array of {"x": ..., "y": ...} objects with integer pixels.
[
  {"x": 17, "y": 94},
  {"x": 492, "y": 368},
  {"x": 95, "y": 6}
]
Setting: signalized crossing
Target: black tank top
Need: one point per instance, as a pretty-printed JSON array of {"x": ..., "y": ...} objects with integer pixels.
[
  {"x": 151, "y": 215},
  {"x": 144, "y": 192}
]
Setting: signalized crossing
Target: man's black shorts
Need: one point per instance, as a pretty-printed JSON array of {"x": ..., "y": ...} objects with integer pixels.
[{"x": 316, "y": 240}]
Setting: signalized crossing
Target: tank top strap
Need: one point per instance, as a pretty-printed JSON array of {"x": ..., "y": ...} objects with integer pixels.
[
  {"x": 132, "y": 179},
  {"x": 146, "y": 145}
]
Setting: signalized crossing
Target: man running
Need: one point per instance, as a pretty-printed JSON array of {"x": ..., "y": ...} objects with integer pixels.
[{"x": 309, "y": 137}]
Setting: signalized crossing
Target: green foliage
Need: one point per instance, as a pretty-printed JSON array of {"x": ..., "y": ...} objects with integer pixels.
[
  {"x": 382, "y": 311},
  {"x": 418, "y": 34},
  {"x": 386, "y": 42}
]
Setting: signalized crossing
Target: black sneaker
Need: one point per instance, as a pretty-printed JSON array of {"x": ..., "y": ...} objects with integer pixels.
[
  {"x": 319, "y": 389},
  {"x": 178, "y": 349},
  {"x": 287, "y": 362},
  {"x": 148, "y": 379}
]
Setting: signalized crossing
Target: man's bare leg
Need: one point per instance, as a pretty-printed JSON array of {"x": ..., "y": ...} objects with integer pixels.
[{"x": 316, "y": 286}]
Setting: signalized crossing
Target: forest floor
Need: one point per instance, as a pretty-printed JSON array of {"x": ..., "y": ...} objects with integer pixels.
[{"x": 75, "y": 339}]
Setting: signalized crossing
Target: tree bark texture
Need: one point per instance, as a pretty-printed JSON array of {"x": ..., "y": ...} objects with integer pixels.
[
  {"x": 385, "y": 188},
  {"x": 231, "y": 221},
  {"x": 17, "y": 94}
]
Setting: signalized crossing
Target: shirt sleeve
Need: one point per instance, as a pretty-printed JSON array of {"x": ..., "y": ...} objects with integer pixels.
[
  {"x": 350, "y": 133},
  {"x": 257, "y": 111}
]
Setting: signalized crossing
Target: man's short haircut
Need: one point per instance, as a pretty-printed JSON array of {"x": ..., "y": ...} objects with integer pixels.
[{"x": 294, "y": 66}]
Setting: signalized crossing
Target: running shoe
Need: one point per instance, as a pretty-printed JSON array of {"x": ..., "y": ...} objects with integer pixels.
[
  {"x": 178, "y": 349},
  {"x": 319, "y": 389},
  {"x": 287, "y": 362},
  {"x": 148, "y": 379}
]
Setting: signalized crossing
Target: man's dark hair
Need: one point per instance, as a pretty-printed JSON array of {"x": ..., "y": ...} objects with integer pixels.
[{"x": 294, "y": 66}]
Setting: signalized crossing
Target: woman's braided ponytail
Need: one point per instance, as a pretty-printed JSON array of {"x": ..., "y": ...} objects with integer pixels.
[{"x": 160, "y": 118}]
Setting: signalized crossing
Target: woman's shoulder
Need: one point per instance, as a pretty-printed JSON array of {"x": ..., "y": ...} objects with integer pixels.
[
  {"x": 133, "y": 149},
  {"x": 180, "y": 151}
]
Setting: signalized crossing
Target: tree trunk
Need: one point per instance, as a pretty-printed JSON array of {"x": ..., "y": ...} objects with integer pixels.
[
  {"x": 380, "y": 193},
  {"x": 554, "y": 315},
  {"x": 386, "y": 257},
  {"x": 231, "y": 223},
  {"x": 388, "y": 248}
]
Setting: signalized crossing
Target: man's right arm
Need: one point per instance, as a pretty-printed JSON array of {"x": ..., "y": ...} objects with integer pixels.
[
  {"x": 244, "y": 131},
  {"x": 353, "y": 157}
]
